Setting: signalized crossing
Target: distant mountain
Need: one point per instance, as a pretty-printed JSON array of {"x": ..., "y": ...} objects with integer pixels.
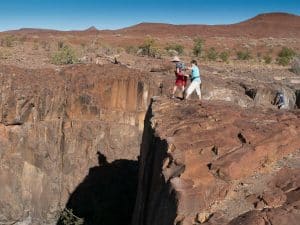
[
  {"x": 92, "y": 28},
  {"x": 264, "y": 25},
  {"x": 31, "y": 30}
]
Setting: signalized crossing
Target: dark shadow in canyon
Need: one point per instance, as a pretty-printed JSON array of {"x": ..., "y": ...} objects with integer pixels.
[
  {"x": 107, "y": 194},
  {"x": 156, "y": 200},
  {"x": 297, "y": 106}
]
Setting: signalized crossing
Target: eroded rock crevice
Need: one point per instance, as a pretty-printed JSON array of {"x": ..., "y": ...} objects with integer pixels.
[
  {"x": 156, "y": 200},
  {"x": 298, "y": 99},
  {"x": 251, "y": 178}
]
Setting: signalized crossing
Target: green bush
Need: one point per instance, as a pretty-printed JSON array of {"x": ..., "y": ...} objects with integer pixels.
[
  {"x": 66, "y": 55},
  {"x": 224, "y": 56},
  {"x": 283, "y": 61},
  {"x": 8, "y": 41},
  {"x": 285, "y": 56},
  {"x": 267, "y": 59},
  {"x": 148, "y": 48},
  {"x": 243, "y": 55},
  {"x": 287, "y": 52},
  {"x": 212, "y": 54},
  {"x": 198, "y": 47},
  {"x": 177, "y": 47}
]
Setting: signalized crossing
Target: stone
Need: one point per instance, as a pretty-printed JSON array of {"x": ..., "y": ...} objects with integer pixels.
[
  {"x": 203, "y": 217},
  {"x": 275, "y": 198}
]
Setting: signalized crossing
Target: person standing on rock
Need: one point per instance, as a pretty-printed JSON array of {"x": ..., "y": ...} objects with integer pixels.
[
  {"x": 180, "y": 76},
  {"x": 195, "y": 81}
]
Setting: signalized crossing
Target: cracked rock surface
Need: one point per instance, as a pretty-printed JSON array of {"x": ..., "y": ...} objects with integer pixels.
[{"x": 218, "y": 163}]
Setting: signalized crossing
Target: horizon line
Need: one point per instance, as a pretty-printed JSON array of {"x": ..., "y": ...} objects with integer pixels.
[{"x": 143, "y": 22}]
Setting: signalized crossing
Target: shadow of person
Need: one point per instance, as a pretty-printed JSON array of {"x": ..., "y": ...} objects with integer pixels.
[{"x": 107, "y": 194}]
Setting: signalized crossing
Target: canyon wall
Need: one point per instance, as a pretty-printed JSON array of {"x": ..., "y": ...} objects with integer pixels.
[{"x": 52, "y": 126}]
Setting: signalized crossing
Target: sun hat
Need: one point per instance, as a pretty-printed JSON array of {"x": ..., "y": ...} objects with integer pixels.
[{"x": 175, "y": 59}]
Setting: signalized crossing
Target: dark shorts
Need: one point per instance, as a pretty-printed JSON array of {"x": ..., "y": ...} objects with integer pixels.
[{"x": 180, "y": 82}]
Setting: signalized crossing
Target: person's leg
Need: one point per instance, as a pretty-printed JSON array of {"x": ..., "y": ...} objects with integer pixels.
[
  {"x": 174, "y": 91},
  {"x": 182, "y": 91},
  {"x": 198, "y": 90},
  {"x": 190, "y": 90}
]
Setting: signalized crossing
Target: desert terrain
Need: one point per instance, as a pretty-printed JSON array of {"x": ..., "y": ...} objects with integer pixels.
[{"x": 89, "y": 134}]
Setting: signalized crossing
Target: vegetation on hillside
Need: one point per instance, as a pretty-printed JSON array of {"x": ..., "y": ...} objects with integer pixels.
[
  {"x": 149, "y": 48},
  {"x": 243, "y": 55},
  {"x": 285, "y": 56},
  {"x": 179, "y": 49},
  {"x": 198, "y": 47},
  {"x": 65, "y": 55}
]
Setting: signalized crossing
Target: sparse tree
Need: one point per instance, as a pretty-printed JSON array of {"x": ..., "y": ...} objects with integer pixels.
[
  {"x": 149, "y": 48},
  {"x": 66, "y": 55},
  {"x": 267, "y": 59},
  {"x": 176, "y": 47},
  {"x": 198, "y": 47},
  {"x": 224, "y": 56},
  {"x": 243, "y": 55},
  {"x": 212, "y": 54},
  {"x": 285, "y": 56}
]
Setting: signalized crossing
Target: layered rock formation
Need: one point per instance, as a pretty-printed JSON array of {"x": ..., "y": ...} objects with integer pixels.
[
  {"x": 53, "y": 123},
  {"x": 70, "y": 139},
  {"x": 218, "y": 163}
]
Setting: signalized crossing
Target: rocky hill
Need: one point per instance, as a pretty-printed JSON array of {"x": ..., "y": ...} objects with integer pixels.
[{"x": 264, "y": 25}]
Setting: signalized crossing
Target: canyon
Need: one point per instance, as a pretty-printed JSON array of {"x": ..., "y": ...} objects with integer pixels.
[
  {"x": 102, "y": 142},
  {"x": 105, "y": 142}
]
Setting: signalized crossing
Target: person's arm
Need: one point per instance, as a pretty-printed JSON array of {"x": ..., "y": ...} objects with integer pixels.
[{"x": 189, "y": 69}]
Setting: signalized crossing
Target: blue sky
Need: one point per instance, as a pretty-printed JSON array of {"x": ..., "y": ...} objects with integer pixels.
[{"x": 113, "y": 14}]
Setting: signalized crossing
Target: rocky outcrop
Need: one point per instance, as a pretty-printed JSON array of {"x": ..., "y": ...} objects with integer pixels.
[
  {"x": 217, "y": 163},
  {"x": 53, "y": 123},
  {"x": 71, "y": 138}
]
